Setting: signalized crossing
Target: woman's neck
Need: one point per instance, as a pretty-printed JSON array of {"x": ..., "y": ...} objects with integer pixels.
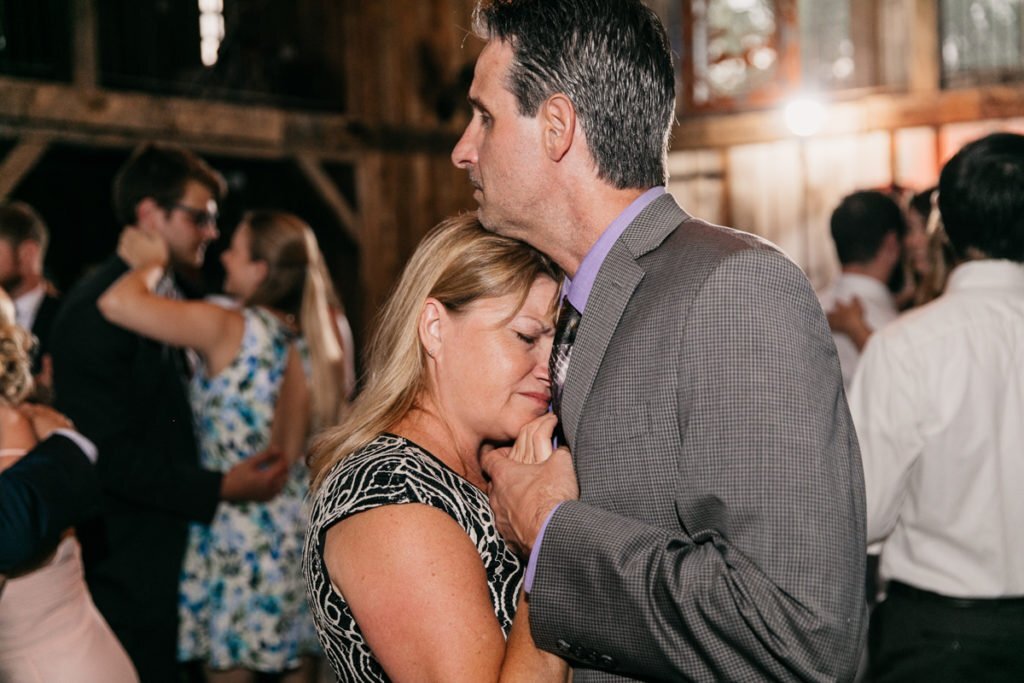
[{"x": 424, "y": 426}]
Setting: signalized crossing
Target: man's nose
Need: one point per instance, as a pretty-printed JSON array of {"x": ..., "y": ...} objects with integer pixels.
[{"x": 464, "y": 152}]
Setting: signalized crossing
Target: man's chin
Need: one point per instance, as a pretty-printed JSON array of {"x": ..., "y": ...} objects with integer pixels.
[{"x": 490, "y": 222}]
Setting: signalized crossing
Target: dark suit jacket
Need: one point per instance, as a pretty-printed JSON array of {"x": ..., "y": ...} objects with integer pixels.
[
  {"x": 52, "y": 488},
  {"x": 128, "y": 395},
  {"x": 719, "y": 533},
  {"x": 41, "y": 328}
]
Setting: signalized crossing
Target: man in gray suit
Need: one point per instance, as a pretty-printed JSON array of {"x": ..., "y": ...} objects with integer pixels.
[{"x": 717, "y": 531}]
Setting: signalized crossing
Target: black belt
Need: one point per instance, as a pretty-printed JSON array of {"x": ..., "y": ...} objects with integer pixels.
[{"x": 899, "y": 589}]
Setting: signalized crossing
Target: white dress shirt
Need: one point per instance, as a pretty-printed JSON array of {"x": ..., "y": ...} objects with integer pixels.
[
  {"x": 26, "y": 306},
  {"x": 938, "y": 403},
  {"x": 879, "y": 310}
]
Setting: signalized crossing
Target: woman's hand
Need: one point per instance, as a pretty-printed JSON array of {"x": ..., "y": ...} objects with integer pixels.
[
  {"x": 533, "y": 445},
  {"x": 142, "y": 248},
  {"x": 848, "y": 318}
]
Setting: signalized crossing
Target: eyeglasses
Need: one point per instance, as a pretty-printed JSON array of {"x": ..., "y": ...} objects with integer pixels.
[{"x": 200, "y": 218}]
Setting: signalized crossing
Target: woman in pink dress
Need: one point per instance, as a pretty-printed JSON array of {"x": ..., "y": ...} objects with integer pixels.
[{"x": 50, "y": 630}]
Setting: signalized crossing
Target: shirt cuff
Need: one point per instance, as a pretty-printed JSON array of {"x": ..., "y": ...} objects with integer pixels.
[
  {"x": 531, "y": 566},
  {"x": 88, "y": 447}
]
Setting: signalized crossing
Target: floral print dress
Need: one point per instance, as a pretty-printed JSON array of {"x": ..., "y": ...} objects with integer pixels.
[{"x": 241, "y": 601}]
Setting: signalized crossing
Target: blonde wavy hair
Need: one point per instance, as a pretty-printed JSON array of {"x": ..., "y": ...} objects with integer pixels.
[
  {"x": 16, "y": 345},
  {"x": 457, "y": 263},
  {"x": 297, "y": 284}
]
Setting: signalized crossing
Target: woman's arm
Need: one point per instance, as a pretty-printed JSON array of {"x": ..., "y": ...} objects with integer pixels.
[
  {"x": 290, "y": 428},
  {"x": 524, "y": 663},
  {"x": 213, "y": 331},
  {"x": 418, "y": 590}
]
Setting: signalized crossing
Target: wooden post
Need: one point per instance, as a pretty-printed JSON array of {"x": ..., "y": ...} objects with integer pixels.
[
  {"x": 924, "y": 69},
  {"x": 329, "y": 192},
  {"x": 20, "y": 160},
  {"x": 85, "y": 60}
]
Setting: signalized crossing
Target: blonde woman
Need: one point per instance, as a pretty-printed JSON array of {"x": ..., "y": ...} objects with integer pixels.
[
  {"x": 241, "y": 606},
  {"x": 408, "y": 578},
  {"x": 50, "y": 630}
]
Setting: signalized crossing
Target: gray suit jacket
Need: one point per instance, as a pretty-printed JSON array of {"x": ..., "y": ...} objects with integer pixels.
[{"x": 719, "y": 533}]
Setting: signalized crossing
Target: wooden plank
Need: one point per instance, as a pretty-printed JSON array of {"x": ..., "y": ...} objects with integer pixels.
[
  {"x": 877, "y": 111},
  {"x": 63, "y": 112},
  {"x": 329, "y": 192},
  {"x": 20, "y": 160}
]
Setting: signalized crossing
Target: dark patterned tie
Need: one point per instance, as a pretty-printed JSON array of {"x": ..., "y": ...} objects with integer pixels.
[{"x": 565, "y": 335}]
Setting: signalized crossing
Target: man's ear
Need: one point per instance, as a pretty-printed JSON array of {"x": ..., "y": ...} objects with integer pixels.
[
  {"x": 891, "y": 242},
  {"x": 146, "y": 213},
  {"x": 558, "y": 118},
  {"x": 431, "y": 322}
]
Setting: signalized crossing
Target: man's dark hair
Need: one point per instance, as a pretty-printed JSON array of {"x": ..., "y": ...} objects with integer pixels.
[
  {"x": 20, "y": 222},
  {"x": 861, "y": 222},
  {"x": 981, "y": 197},
  {"x": 611, "y": 59},
  {"x": 160, "y": 171}
]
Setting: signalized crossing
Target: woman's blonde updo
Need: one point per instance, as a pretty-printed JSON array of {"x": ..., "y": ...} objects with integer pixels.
[{"x": 16, "y": 346}]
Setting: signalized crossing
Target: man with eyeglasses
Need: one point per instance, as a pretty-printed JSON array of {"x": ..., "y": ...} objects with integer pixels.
[{"x": 127, "y": 394}]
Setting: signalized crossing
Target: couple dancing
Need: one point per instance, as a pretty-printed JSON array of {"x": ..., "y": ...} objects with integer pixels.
[{"x": 705, "y": 520}]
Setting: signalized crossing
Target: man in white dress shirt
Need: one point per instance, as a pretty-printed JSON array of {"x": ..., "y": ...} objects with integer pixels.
[
  {"x": 938, "y": 402},
  {"x": 23, "y": 241},
  {"x": 867, "y": 228}
]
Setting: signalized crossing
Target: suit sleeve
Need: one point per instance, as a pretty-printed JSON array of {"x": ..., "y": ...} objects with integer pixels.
[
  {"x": 100, "y": 384},
  {"x": 52, "y": 488},
  {"x": 762, "y": 579}
]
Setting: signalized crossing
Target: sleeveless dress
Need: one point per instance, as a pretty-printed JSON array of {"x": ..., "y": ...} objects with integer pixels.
[
  {"x": 50, "y": 630},
  {"x": 392, "y": 470},
  {"x": 241, "y": 601}
]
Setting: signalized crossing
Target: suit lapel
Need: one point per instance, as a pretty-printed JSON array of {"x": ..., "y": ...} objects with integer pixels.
[
  {"x": 612, "y": 290},
  {"x": 618, "y": 278}
]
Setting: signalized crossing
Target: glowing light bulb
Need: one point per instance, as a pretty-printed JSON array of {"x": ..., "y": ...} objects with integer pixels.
[{"x": 804, "y": 116}]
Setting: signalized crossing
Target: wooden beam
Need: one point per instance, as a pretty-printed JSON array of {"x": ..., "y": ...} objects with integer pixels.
[
  {"x": 870, "y": 112},
  {"x": 20, "y": 160},
  {"x": 66, "y": 112},
  {"x": 328, "y": 191}
]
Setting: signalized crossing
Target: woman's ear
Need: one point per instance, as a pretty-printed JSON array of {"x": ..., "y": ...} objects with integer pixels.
[
  {"x": 559, "y": 125},
  {"x": 260, "y": 271},
  {"x": 432, "y": 317}
]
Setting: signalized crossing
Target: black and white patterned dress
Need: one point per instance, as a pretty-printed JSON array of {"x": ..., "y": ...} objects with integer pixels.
[{"x": 391, "y": 470}]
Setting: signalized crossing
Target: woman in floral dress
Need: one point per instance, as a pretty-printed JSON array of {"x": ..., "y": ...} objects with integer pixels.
[{"x": 241, "y": 602}]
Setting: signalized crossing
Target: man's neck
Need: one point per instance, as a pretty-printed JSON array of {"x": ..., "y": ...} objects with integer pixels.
[
  {"x": 591, "y": 215},
  {"x": 26, "y": 285}
]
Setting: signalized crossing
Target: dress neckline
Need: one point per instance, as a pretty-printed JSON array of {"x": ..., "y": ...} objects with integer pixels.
[{"x": 430, "y": 455}]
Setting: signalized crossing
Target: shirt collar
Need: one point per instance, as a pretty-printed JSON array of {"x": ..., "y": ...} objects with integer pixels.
[
  {"x": 578, "y": 289},
  {"x": 866, "y": 286},
  {"x": 986, "y": 274},
  {"x": 26, "y": 305}
]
